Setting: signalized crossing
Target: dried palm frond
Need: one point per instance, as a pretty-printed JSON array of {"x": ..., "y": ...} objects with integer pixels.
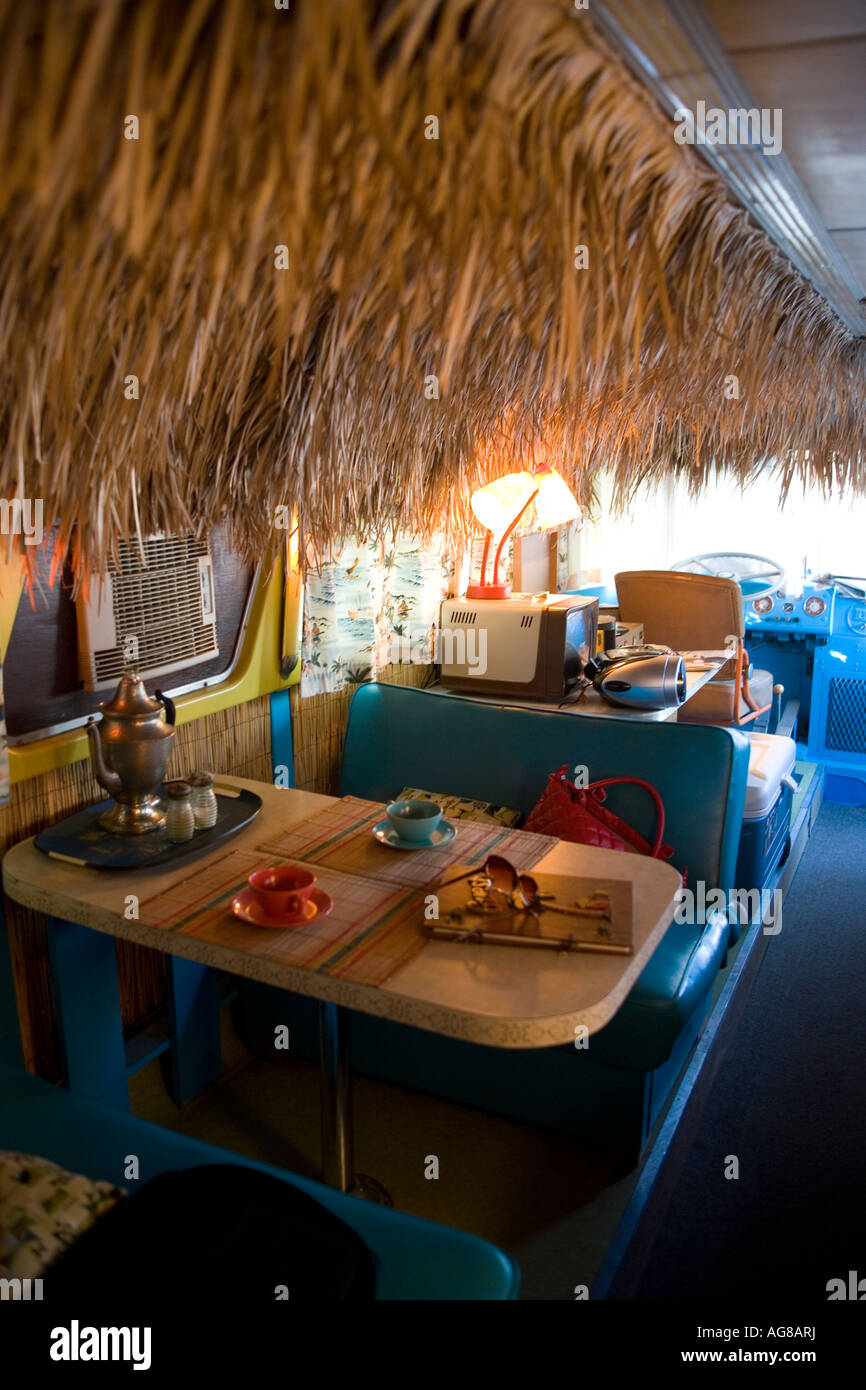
[{"x": 409, "y": 259}]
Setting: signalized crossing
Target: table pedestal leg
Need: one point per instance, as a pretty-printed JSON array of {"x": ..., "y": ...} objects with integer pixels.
[{"x": 336, "y": 1100}]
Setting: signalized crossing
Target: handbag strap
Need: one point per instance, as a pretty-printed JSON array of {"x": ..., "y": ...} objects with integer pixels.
[{"x": 595, "y": 787}]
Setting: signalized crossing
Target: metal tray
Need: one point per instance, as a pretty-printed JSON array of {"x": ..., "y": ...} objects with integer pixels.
[{"x": 80, "y": 839}]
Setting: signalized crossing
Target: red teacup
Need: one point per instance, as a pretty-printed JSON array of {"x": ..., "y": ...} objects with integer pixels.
[{"x": 283, "y": 890}]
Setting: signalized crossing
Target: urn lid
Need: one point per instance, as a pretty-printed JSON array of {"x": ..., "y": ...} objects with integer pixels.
[{"x": 131, "y": 700}]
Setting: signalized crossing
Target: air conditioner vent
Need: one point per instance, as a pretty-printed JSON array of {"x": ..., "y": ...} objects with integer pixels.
[{"x": 153, "y": 608}]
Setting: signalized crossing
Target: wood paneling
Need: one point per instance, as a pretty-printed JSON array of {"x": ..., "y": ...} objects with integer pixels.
[
  {"x": 811, "y": 61},
  {"x": 769, "y": 23},
  {"x": 822, "y": 93}
]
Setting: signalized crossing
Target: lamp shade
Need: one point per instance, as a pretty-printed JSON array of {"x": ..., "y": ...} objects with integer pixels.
[
  {"x": 540, "y": 500},
  {"x": 556, "y": 503},
  {"x": 497, "y": 504}
]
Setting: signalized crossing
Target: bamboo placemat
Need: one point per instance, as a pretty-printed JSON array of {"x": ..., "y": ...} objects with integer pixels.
[
  {"x": 340, "y": 837},
  {"x": 374, "y": 926},
  {"x": 371, "y": 930}
]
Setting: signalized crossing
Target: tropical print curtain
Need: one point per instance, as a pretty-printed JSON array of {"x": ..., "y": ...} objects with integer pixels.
[
  {"x": 370, "y": 605},
  {"x": 373, "y": 604}
]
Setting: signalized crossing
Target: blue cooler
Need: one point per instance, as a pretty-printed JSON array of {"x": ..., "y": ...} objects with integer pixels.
[{"x": 767, "y": 815}]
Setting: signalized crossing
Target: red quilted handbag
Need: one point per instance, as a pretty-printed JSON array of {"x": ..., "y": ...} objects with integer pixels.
[{"x": 579, "y": 814}]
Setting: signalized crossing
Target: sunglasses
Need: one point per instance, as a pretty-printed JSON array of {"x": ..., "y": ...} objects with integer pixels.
[
  {"x": 499, "y": 893},
  {"x": 498, "y": 885}
]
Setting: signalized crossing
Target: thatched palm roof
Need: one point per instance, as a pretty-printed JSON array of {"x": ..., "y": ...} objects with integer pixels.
[{"x": 407, "y": 257}]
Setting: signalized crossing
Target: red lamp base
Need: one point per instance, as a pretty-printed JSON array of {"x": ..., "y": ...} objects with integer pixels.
[{"x": 488, "y": 591}]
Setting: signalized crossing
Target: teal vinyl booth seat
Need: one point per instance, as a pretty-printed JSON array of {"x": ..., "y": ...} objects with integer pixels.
[
  {"x": 416, "y": 1259},
  {"x": 611, "y": 1092}
]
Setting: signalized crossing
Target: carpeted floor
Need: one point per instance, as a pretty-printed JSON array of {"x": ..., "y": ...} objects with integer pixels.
[
  {"x": 550, "y": 1203},
  {"x": 788, "y": 1104}
]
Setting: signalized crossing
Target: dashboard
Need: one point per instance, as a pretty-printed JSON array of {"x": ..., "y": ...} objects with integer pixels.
[
  {"x": 809, "y": 612},
  {"x": 815, "y": 645},
  {"x": 819, "y": 610}
]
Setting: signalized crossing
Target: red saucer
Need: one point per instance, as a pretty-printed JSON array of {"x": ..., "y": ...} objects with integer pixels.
[{"x": 247, "y": 907}]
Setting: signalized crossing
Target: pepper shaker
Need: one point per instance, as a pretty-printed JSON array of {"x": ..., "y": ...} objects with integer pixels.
[
  {"x": 179, "y": 819},
  {"x": 203, "y": 800}
]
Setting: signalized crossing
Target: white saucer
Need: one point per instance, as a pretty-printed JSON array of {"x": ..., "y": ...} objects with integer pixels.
[{"x": 385, "y": 833}]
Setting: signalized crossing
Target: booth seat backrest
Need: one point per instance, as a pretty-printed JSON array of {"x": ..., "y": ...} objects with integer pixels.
[{"x": 398, "y": 736}]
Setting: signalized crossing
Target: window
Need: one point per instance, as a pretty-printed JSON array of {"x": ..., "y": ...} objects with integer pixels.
[{"x": 811, "y": 534}]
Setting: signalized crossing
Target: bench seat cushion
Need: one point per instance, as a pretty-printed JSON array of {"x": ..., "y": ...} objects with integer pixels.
[
  {"x": 675, "y": 980},
  {"x": 416, "y": 1259}
]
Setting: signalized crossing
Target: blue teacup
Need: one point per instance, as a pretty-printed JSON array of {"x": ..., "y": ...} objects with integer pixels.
[{"x": 414, "y": 820}]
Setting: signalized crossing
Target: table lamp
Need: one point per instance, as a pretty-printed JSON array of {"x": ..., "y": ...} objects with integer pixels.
[{"x": 499, "y": 507}]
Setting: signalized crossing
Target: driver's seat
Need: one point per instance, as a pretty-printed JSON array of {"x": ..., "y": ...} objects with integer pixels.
[{"x": 696, "y": 612}]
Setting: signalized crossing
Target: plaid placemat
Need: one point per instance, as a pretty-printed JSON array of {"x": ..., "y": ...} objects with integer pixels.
[
  {"x": 340, "y": 837},
  {"x": 371, "y": 930},
  {"x": 373, "y": 927}
]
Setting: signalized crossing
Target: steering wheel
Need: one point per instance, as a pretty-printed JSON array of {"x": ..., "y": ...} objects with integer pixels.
[{"x": 755, "y": 574}]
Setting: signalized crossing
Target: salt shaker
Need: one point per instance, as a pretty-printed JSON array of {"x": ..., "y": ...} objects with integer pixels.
[
  {"x": 203, "y": 800},
  {"x": 179, "y": 819}
]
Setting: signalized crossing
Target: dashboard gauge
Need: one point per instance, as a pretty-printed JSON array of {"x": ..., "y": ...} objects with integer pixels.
[
  {"x": 814, "y": 606},
  {"x": 857, "y": 621},
  {"x": 763, "y": 605}
]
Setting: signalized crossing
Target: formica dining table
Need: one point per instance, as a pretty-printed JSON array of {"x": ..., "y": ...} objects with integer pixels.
[{"x": 504, "y": 997}]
